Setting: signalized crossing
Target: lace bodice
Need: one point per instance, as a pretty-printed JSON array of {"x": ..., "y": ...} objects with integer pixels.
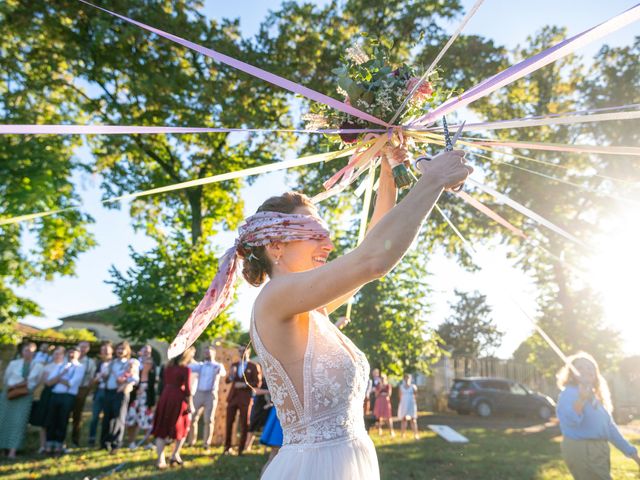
[{"x": 335, "y": 376}]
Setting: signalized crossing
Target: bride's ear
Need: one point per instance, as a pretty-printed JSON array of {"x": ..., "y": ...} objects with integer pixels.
[{"x": 274, "y": 251}]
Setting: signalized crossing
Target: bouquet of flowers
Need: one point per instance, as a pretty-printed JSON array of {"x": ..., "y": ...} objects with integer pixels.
[{"x": 369, "y": 82}]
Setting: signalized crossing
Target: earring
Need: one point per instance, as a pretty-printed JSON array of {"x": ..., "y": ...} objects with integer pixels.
[{"x": 277, "y": 261}]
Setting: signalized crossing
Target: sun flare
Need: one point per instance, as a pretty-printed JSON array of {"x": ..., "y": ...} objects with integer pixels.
[{"x": 613, "y": 273}]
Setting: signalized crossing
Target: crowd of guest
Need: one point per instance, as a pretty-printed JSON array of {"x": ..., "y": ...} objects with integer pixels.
[
  {"x": 49, "y": 388},
  {"x": 378, "y": 404}
]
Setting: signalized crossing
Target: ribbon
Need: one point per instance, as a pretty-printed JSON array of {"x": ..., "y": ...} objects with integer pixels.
[
  {"x": 478, "y": 205},
  {"x": 540, "y": 174},
  {"x": 251, "y": 70},
  {"x": 136, "y": 129},
  {"x": 563, "y": 119},
  {"x": 532, "y": 64},
  {"x": 272, "y": 167},
  {"x": 256, "y": 231},
  {"x": 560, "y": 180},
  {"x": 426, "y": 74},
  {"x": 364, "y": 218},
  {"x": 542, "y": 162},
  {"x": 558, "y": 147},
  {"x": 527, "y": 212},
  {"x": 505, "y": 223},
  {"x": 345, "y": 174},
  {"x": 473, "y": 254}
]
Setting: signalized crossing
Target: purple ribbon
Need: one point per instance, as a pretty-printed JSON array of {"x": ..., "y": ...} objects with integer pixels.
[
  {"x": 132, "y": 129},
  {"x": 254, "y": 71},
  {"x": 531, "y": 64}
]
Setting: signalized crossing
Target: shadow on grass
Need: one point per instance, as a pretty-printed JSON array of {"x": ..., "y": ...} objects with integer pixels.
[
  {"x": 85, "y": 463},
  {"x": 488, "y": 455}
]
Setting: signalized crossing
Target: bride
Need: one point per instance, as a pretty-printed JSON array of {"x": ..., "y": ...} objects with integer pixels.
[{"x": 317, "y": 377}]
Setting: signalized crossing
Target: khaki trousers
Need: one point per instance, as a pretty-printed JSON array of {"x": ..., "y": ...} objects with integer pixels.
[
  {"x": 203, "y": 402},
  {"x": 587, "y": 459},
  {"x": 78, "y": 407}
]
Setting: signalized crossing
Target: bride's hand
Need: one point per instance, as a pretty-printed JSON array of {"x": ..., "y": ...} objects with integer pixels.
[{"x": 449, "y": 169}]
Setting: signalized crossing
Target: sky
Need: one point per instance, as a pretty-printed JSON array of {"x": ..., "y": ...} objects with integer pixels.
[{"x": 508, "y": 23}]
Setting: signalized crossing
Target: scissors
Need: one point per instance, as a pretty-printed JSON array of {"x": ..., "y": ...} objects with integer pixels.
[{"x": 449, "y": 143}]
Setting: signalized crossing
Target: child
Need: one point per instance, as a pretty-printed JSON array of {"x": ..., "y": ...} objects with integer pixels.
[{"x": 127, "y": 380}]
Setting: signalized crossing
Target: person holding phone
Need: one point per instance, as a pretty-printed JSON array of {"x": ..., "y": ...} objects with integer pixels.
[{"x": 584, "y": 411}]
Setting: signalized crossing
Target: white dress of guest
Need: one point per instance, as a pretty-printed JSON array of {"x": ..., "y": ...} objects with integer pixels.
[
  {"x": 323, "y": 424},
  {"x": 407, "y": 407},
  {"x": 14, "y": 414}
]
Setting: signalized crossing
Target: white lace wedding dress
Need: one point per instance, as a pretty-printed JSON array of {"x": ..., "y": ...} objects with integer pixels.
[{"x": 323, "y": 427}]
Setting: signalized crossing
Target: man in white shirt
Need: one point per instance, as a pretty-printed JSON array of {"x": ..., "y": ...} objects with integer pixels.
[
  {"x": 89, "y": 371},
  {"x": 206, "y": 397},
  {"x": 68, "y": 379}
]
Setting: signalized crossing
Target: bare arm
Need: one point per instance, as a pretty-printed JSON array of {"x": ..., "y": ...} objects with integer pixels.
[
  {"x": 385, "y": 201},
  {"x": 380, "y": 251}
]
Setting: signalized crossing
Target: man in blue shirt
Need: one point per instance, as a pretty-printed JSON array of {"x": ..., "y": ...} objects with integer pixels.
[{"x": 63, "y": 396}]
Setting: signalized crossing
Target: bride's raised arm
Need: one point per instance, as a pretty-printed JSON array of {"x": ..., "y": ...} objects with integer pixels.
[
  {"x": 290, "y": 293},
  {"x": 385, "y": 201}
]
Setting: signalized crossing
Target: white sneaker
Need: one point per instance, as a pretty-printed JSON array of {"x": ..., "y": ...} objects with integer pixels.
[
  {"x": 133, "y": 446},
  {"x": 149, "y": 446}
]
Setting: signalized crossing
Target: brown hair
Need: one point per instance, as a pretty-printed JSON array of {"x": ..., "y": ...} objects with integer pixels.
[
  {"x": 184, "y": 358},
  {"x": 127, "y": 349},
  {"x": 566, "y": 376},
  {"x": 256, "y": 265}
]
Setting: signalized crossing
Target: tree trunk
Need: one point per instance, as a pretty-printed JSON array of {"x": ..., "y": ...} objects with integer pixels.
[
  {"x": 195, "y": 202},
  {"x": 565, "y": 297}
]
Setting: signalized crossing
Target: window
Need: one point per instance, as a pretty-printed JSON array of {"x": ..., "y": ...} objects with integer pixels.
[
  {"x": 517, "y": 389},
  {"x": 461, "y": 384},
  {"x": 495, "y": 385}
]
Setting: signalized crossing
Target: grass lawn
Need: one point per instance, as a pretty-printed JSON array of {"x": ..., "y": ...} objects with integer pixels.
[{"x": 493, "y": 453}]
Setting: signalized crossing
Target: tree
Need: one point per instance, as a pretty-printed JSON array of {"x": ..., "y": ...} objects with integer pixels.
[
  {"x": 159, "y": 291},
  {"x": 69, "y": 334},
  {"x": 470, "y": 331},
  {"x": 614, "y": 80},
  {"x": 305, "y": 43},
  {"x": 567, "y": 308},
  {"x": 36, "y": 171},
  {"x": 394, "y": 332},
  {"x": 122, "y": 75}
]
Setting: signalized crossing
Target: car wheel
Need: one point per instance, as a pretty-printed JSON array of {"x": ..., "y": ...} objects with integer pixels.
[
  {"x": 462, "y": 412},
  {"x": 544, "y": 412},
  {"x": 483, "y": 409}
]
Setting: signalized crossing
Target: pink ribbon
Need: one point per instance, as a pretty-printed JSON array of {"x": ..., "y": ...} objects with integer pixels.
[
  {"x": 478, "y": 205},
  {"x": 531, "y": 64},
  {"x": 251, "y": 70}
]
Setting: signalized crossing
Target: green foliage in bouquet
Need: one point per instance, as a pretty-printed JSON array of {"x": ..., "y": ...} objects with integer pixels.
[{"x": 368, "y": 81}]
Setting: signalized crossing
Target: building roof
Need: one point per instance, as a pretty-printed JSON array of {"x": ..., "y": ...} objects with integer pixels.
[
  {"x": 27, "y": 329},
  {"x": 107, "y": 316}
]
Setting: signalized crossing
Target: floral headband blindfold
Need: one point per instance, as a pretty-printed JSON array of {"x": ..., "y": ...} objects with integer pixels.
[{"x": 258, "y": 230}]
